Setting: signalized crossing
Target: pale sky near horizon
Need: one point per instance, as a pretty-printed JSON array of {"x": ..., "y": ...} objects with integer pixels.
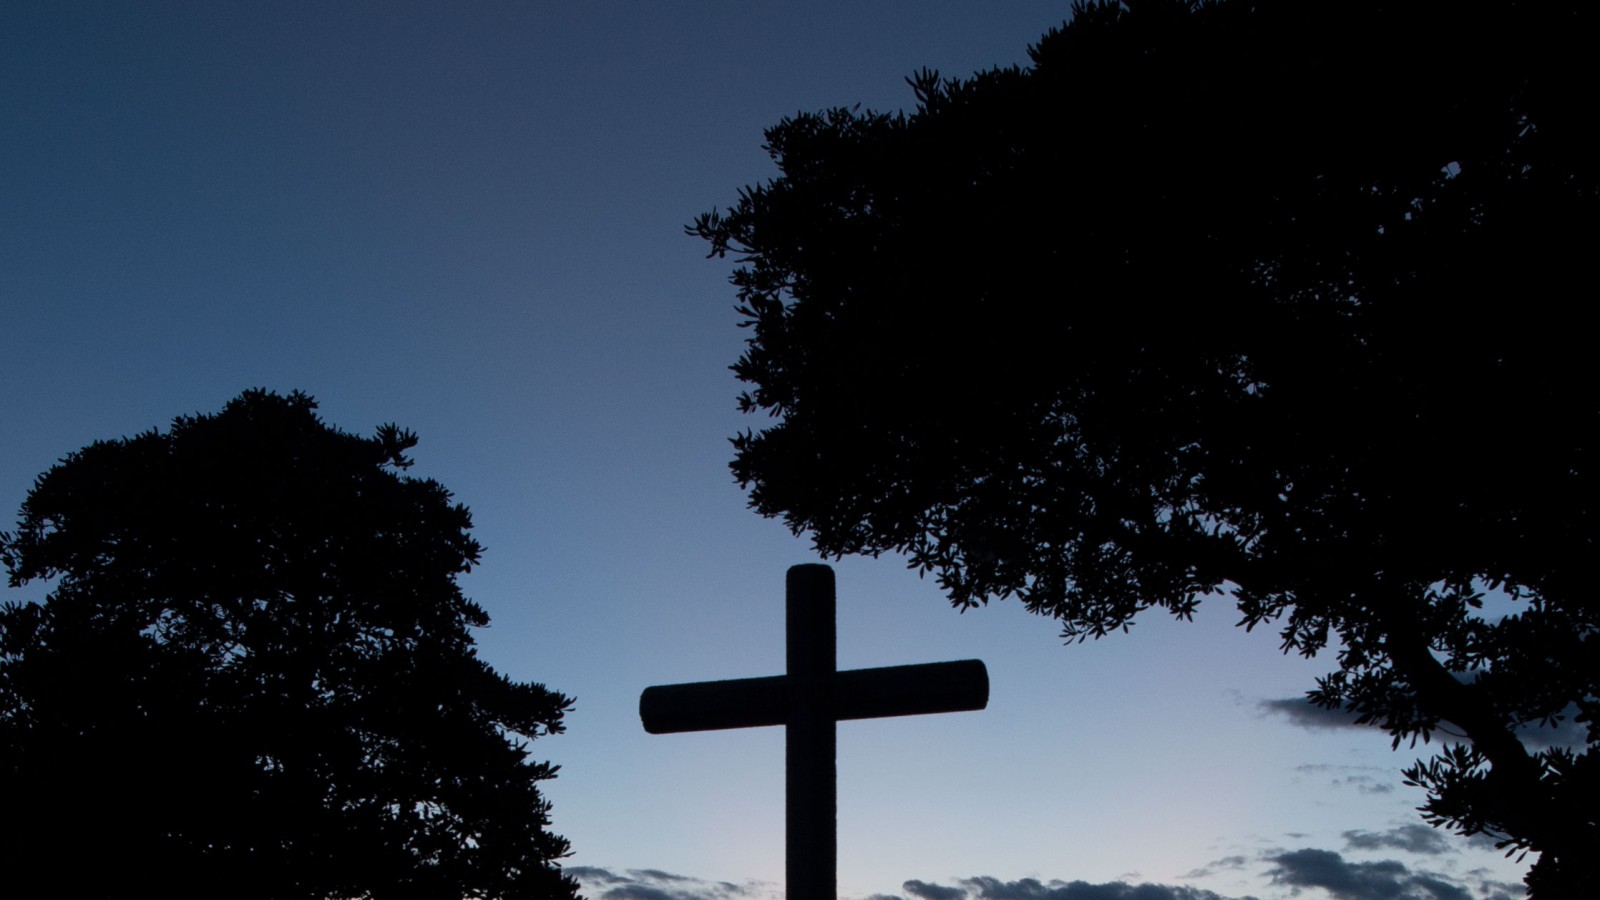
[{"x": 468, "y": 219}]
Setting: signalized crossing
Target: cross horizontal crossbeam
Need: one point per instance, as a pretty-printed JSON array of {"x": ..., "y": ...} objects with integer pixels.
[{"x": 959, "y": 686}]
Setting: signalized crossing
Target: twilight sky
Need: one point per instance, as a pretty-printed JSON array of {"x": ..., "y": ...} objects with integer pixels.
[{"x": 468, "y": 218}]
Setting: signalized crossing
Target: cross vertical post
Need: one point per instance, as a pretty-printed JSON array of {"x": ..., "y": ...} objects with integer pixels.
[{"x": 812, "y": 861}]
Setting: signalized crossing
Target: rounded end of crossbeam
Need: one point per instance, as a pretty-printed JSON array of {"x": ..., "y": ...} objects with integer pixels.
[
  {"x": 978, "y": 691},
  {"x": 650, "y": 711}
]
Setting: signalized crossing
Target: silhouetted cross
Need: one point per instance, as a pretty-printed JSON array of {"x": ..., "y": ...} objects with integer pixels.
[{"x": 809, "y": 700}]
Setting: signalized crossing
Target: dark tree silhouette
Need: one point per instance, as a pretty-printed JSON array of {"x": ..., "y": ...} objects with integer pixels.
[
  {"x": 1276, "y": 299},
  {"x": 253, "y": 676}
]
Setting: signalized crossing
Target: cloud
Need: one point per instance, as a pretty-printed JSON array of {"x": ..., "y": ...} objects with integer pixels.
[
  {"x": 1567, "y": 732},
  {"x": 985, "y": 887},
  {"x": 1383, "y": 880},
  {"x": 1294, "y": 870},
  {"x": 1411, "y": 838},
  {"x": 654, "y": 884},
  {"x": 1489, "y": 889},
  {"x": 1218, "y": 865},
  {"x": 1366, "y": 784},
  {"x": 1352, "y": 776},
  {"x": 1300, "y": 711},
  {"x": 932, "y": 891}
]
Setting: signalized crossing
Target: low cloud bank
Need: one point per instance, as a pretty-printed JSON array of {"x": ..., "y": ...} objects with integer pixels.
[
  {"x": 654, "y": 884},
  {"x": 984, "y": 887},
  {"x": 1381, "y": 880},
  {"x": 1321, "y": 872}
]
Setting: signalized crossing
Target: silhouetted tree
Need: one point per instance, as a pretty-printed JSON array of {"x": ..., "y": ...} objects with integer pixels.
[
  {"x": 1277, "y": 299},
  {"x": 253, "y": 676}
]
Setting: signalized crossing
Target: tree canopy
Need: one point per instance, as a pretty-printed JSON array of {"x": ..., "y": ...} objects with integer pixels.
[
  {"x": 254, "y": 676},
  {"x": 1278, "y": 300}
]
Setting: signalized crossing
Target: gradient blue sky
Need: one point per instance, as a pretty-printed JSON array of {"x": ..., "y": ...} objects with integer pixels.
[{"x": 467, "y": 218}]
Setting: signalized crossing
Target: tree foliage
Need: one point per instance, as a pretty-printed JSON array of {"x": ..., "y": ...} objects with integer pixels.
[
  {"x": 1273, "y": 299},
  {"x": 254, "y": 676}
]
